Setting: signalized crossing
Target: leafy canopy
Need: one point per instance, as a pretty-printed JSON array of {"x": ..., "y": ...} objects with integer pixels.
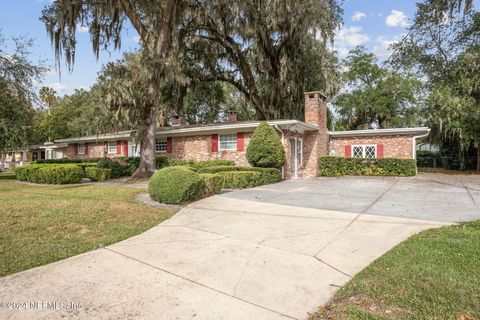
[
  {"x": 270, "y": 51},
  {"x": 376, "y": 96}
]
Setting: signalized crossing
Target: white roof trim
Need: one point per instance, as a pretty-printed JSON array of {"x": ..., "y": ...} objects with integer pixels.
[
  {"x": 284, "y": 124},
  {"x": 53, "y": 145},
  {"x": 381, "y": 132},
  {"x": 100, "y": 137}
]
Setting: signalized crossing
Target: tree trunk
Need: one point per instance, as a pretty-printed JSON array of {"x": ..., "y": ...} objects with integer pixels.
[
  {"x": 478, "y": 157},
  {"x": 147, "y": 147}
]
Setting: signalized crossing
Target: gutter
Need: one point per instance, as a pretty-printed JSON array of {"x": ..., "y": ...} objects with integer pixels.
[
  {"x": 379, "y": 132},
  {"x": 414, "y": 142}
]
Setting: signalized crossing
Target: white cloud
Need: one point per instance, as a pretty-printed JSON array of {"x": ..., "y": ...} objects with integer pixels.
[
  {"x": 383, "y": 43},
  {"x": 348, "y": 38},
  {"x": 136, "y": 39},
  {"x": 57, "y": 86},
  {"x": 357, "y": 16},
  {"x": 396, "y": 18},
  {"x": 82, "y": 29}
]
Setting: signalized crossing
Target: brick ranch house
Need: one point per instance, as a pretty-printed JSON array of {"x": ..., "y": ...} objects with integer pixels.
[{"x": 304, "y": 141}]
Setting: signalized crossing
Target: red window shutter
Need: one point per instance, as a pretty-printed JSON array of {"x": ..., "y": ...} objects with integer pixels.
[
  {"x": 169, "y": 145},
  {"x": 119, "y": 147},
  {"x": 214, "y": 142},
  {"x": 380, "y": 150},
  {"x": 125, "y": 148},
  {"x": 75, "y": 149},
  {"x": 348, "y": 151},
  {"x": 86, "y": 148},
  {"x": 240, "y": 141}
]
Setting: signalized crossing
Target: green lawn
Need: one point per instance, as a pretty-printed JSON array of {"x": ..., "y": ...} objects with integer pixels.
[
  {"x": 433, "y": 275},
  {"x": 41, "y": 224}
]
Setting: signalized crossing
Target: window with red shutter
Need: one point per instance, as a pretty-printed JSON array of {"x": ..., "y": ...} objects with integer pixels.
[
  {"x": 214, "y": 142},
  {"x": 169, "y": 145},
  {"x": 240, "y": 141},
  {"x": 380, "y": 151},
  {"x": 348, "y": 151}
]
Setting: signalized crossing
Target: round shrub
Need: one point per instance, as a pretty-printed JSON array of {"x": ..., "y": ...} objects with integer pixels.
[
  {"x": 176, "y": 185},
  {"x": 265, "y": 148}
]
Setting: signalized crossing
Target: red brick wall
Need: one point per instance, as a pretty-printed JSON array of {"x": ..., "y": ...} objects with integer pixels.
[
  {"x": 394, "y": 146},
  {"x": 95, "y": 150},
  {"x": 200, "y": 148}
]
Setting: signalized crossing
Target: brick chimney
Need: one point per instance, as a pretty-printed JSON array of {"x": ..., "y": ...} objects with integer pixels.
[
  {"x": 317, "y": 140},
  {"x": 316, "y": 109},
  {"x": 178, "y": 121},
  {"x": 232, "y": 116}
]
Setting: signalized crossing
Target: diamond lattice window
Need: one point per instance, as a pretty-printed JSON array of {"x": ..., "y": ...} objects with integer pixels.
[
  {"x": 370, "y": 152},
  {"x": 357, "y": 152},
  {"x": 364, "y": 151}
]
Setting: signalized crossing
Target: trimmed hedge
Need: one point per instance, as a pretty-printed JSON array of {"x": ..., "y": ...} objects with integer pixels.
[
  {"x": 338, "y": 166},
  {"x": 268, "y": 175},
  {"x": 176, "y": 185},
  {"x": 126, "y": 166},
  {"x": 241, "y": 179},
  {"x": 84, "y": 166},
  {"x": 98, "y": 174},
  {"x": 193, "y": 163},
  {"x": 65, "y": 161},
  {"x": 118, "y": 167},
  {"x": 50, "y": 173},
  {"x": 213, "y": 182}
]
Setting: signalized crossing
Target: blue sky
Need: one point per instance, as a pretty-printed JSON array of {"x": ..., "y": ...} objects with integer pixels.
[{"x": 373, "y": 23}]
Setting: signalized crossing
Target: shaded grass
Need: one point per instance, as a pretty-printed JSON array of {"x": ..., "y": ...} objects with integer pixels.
[
  {"x": 432, "y": 275},
  {"x": 40, "y": 224}
]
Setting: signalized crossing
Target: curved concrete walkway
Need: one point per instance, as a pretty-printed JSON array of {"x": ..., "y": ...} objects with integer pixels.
[{"x": 224, "y": 257}]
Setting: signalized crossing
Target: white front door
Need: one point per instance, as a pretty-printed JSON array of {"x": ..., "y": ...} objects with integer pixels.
[
  {"x": 296, "y": 156},
  {"x": 293, "y": 157}
]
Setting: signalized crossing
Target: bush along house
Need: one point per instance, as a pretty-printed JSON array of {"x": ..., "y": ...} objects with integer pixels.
[{"x": 304, "y": 141}]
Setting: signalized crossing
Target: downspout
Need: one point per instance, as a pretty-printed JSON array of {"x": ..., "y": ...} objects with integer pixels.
[
  {"x": 414, "y": 144},
  {"x": 283, "y": 144}
]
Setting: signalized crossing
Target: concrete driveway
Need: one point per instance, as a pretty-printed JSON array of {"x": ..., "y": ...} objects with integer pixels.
[
  {"x": 438, "y": 197},
  {"x": 273, "y": 252}
]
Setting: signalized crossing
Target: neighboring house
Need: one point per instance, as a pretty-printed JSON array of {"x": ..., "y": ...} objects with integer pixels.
[
  {"x": 52, "y": 150},
  {"x": 304, "y": 141},
  {"x": 16, "y": 157}
]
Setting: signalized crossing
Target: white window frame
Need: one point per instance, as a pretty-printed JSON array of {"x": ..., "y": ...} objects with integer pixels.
[
  {"x": 233, "y": 147},
  {"x": 112, "y": 149},
  {"x": 161, "y": 145},
  {"x": 81, "y": 148},
  {"x": 364, "y": 148}
]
